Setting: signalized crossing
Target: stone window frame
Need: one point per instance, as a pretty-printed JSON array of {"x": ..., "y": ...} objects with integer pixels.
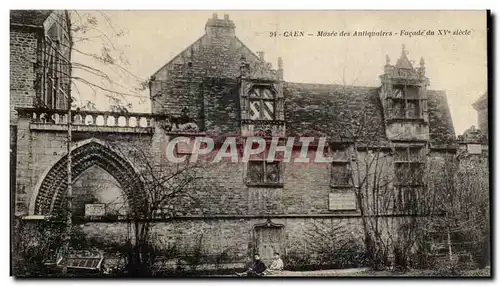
[
  {"x": 406, "y": 187},
  {"x": 264, "y": 182},
  {"x": 340, "y": 158}
]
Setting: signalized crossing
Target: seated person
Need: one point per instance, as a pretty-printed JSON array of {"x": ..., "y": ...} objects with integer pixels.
[
  {"x": 257, "y": 269},
  {"x": 276, "y": 266}
]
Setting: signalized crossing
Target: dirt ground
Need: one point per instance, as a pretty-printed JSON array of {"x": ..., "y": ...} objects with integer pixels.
[
  {"x": 366, "y": 272},
  {"x": 329, "y": 272}
]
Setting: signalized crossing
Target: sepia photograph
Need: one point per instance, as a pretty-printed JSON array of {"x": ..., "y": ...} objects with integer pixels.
[{"x": 249, "y": 144}]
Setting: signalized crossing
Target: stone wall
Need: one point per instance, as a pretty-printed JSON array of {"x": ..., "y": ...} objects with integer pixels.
[
  {"x": 233, "y": 236},
  {"x": 23, "y": 59},
  {"x": 39, "y": 150}
]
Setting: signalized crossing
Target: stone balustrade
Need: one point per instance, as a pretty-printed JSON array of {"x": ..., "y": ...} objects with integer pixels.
[{"x": 89, "y": 118}]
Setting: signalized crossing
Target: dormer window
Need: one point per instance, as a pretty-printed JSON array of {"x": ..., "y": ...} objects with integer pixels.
[
  {"x": 262, "y": 103},
  {"x": 406, "y": 103}
]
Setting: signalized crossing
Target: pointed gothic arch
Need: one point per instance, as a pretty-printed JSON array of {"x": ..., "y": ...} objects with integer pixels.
[{"x": 51, "y": 189}]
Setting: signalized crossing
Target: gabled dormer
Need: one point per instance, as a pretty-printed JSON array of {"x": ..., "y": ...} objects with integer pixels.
[
  {"x": 261, "y": 98},
  {"x": 404, "y": 97}
]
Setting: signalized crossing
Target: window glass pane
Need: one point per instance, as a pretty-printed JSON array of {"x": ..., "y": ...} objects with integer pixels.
[
  {"x": 261, "y": 105},
  {"x": 340, "y": 173},
  {"x": 52, "y": 33},
  {"x": 416, "y": 107},
  {"x": 408, "y": 199},
  {"x": 256, "y": 171},
  {"x": 411, "y": 92},
  {"x": 416, "y": 154},
  {"x": 267, "y": 94},
  {"x": 398, "y": 92},
  {"x": 409, "y": 174},
  {"x": 254, "y": 93},
  {"x": 417, "y": 173},
  {"x": 268, "y": 110},
  {"x": 272, "y": 172},
  {"x": 339, "y": 154},
  {"x": 410, "y": 111},
  {"x": 401, "y": 170},
  {"x": 399, "y": 109},
  {"x": 401, "y": 154},
  {"x": 254, "y": 111}
]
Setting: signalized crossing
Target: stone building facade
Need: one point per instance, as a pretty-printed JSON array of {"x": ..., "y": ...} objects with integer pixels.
[
  {"x": 39, "y": 75},
  {"x": 39, "y": 57},
  {"x": 217, "y": 87},
  {"x": 224, "y": 89}
]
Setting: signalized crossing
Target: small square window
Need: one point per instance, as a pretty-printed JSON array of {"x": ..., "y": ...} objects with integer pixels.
[
  {"x": 272, "y": 172},
  {"x": 256, "y": 172},
  {"x": 341, "y": 174},
  {"x": 260, "y": 172}
]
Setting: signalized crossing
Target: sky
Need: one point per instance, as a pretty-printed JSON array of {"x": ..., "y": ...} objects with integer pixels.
[{"x": 146, "y": 40}]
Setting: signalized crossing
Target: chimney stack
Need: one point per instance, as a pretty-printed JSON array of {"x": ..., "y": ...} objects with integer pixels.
[
  {"x": 261, "y": 55},
  {"x": 216, "y": 27},
  {"x": 280, "y": 68}
]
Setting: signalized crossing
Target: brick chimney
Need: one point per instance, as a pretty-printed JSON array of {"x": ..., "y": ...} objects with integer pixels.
[{"x": 216, "y": 27}]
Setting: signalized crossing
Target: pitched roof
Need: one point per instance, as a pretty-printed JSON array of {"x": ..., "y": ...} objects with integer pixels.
[
  {"x": 338, "y": 112},
  {"x": 217, "y": 53},
  {"x": 481, "y": 102},
  {"x": 403, "y": 62},
  {"x": 317, "y": 110},
  {"x": 211, "y": 58},
  {"x": 29, "y": 17},
  {"x": 441, "y": 131},
  {"x": 334, "y": 111}
]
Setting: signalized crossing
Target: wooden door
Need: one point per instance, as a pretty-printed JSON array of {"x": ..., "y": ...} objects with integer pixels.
[{"x": 268, "y": 241}]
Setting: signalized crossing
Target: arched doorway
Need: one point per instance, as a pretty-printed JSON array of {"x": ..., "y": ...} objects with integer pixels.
[{"x": 51, "y": 190}]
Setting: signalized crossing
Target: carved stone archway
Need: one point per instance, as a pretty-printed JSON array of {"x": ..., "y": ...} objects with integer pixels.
[{"x": 51, "y": 189}]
